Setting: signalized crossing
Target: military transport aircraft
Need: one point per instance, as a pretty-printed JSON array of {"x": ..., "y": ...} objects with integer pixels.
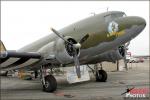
[{"x": 89, "y": 41}]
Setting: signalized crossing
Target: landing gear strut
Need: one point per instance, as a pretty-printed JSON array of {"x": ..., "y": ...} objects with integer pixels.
[
  {"x": 35, "y": 74},
  {"x": 48, "y": 81},
  {"x": 100, "y": 75}
]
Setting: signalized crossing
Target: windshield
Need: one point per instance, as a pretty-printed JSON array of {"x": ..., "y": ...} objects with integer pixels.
[{"x": 113, "y": 16}]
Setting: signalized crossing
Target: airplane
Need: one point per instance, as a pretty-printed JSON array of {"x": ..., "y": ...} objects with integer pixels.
[{"x": 92, "y": 40}]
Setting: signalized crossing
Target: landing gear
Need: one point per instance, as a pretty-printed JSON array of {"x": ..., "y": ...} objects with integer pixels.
[
  {"x": 50, "y": 84},
  {"x": 48, "y": 81},
  {"x": 100, "y": 75},
  {"x": 35, "y": 74}
]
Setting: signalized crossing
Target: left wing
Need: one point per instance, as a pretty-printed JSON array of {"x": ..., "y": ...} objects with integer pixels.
[{"x": 9, "y": 59}]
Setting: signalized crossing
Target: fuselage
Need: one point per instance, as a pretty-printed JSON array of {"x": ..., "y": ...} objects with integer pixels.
[{"x": 106, "y": 31}]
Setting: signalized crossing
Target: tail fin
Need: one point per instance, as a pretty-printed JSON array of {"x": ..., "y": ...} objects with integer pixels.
[{"x": 2, "y": 47}]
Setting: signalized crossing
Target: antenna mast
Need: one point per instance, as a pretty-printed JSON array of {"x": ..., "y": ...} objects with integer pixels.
[{"x": 107, "y": 9}]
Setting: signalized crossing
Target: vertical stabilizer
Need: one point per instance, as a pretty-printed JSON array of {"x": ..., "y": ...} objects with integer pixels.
[{"x": 2, "y": 47}]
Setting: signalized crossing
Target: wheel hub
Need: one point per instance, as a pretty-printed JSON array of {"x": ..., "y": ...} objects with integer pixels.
[{"x": 46, "y": 84}]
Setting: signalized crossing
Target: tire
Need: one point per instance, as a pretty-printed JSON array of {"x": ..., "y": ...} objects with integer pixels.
[
  {"x": 50, "y": 84},
  {"x": 4, "y": 73},
  {"x": 102, "y": 77}
]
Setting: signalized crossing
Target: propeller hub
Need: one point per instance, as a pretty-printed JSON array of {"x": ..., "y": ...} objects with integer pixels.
[
  {"x": 77, "y": 45},
  {"x": 71, "y": 46}
]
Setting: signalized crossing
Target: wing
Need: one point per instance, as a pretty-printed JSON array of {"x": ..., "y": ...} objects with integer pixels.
[{"x": 11, "y": 59}]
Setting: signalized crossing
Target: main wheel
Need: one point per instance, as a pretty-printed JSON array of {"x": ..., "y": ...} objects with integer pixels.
[
  {"x": 3, "y": 73},
  {"x": 101, "y": 76},
  {"x": 50, "y": 83}
]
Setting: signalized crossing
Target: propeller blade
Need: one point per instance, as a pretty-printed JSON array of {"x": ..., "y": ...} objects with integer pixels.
[
  {"x": 77, "y": 64},
  {"x": 59, "y": 35},
  {"x": 84, "y": 38}
]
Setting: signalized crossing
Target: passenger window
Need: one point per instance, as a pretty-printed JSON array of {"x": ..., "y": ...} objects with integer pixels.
[{"x": 108, "y": 18}]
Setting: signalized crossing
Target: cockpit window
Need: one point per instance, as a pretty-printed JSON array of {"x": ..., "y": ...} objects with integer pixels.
[{"x": 113, "y": 16}]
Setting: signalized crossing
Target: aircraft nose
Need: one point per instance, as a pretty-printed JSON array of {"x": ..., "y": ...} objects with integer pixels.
[
  {"x": 132, "y": 25},
  {"x": 128, "y": 22},
  {"x": 135, "y": 20},
  {"x": 142, "y": 21}
]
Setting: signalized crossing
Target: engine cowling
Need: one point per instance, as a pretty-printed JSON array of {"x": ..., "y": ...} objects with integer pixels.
[
  {"x": 64, "y": 51},
  {"x": 113, "y": 55},
  {"x": 110, "y": 56}
]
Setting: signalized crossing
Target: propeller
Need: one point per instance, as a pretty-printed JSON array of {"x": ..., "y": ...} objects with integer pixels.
[
  {"x": 75, "y": 47},
  {"x": 59, "y": 35}
]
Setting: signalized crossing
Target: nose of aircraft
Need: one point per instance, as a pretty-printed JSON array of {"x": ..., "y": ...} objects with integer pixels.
[
  {"x": 132, "y": 25},
  {"x": 135, "y": 20}
]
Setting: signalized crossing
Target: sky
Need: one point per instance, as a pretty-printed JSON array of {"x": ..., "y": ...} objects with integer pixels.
[{"x": 23, "y": 22}]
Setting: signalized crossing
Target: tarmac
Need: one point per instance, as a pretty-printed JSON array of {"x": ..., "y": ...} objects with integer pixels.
[{"x": 137, "y": 76}]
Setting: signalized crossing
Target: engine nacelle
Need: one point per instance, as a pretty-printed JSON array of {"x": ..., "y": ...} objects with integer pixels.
[
  {"x": 60, "y": 50},
  {"x": 64, "y": 51},
  {"x": 114, "y": 55},
  {"x": 110, "y": 56}
]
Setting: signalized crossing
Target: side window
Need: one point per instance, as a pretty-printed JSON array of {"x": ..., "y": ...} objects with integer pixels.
[
  {"x": 108, "y": 18},
  {"x": 111, "y": 17}
]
